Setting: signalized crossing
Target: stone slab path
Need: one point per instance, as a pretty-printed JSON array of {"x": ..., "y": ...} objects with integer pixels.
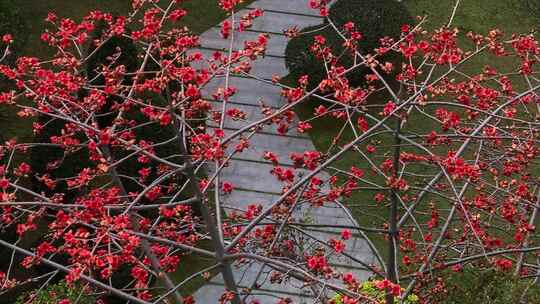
[{"x": 249, "y": 172}]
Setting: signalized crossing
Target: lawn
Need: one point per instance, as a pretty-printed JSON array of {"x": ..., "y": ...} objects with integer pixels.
[
  {"x": 477, "y": 16},
  {"x": 202, "y": 14},
  {"x": 480, "y": 16}
]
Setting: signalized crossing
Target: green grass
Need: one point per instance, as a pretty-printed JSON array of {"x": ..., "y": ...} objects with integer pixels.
[
  {"x": 488, "y": 287},
  {"x": 480, "y": 16}
]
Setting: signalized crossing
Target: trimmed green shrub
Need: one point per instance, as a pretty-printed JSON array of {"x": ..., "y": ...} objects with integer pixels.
[
  {"x": 42, "y": 156},
  {"x": 368, "y": 289},
  {"x": 54, "y": 293},
  {"x": 373, "y": 18},
  {"x": 73, "y": 163}
]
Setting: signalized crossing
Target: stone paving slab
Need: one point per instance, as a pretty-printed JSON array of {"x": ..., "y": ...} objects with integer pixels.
[
  {"x": 212, "y": 39},
  {"x": 265, "y": 296},
  {"x": 286, "y": 6},
  {"x": 293, "y": 289},
  {"x": 356, "y": 246},
  {"x": 249, "y": 175},
  {"x": 265, "y": 67},
  {"x": 253, "y": 114},
  {"x": 282, "y": 146},
  {"x": 241, "y": 199},
  {"x": 329, "y": 208},
  {"x": 275, "y": 22},
  {"x": 353, "y": 245},
  {"x": 250, "y": 91},
  {"x": 267, "y": 291}
]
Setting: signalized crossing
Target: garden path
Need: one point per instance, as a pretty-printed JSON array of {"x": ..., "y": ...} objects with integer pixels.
[{"x": 249, "y": 172}]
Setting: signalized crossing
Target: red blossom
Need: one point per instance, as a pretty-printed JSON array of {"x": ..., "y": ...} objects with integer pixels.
[
  {"x": 346, "y": 234},
  {"x": 137, "y": 160},
  {"x": 389, "y": 108},
  {"x": 227, "y": 187}
]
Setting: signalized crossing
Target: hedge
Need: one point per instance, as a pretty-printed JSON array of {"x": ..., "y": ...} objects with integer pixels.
[
  {"x": 54, "y": 293},
  {"x": 73, "y": 163},
  {"x": 373, "y": 18}
]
